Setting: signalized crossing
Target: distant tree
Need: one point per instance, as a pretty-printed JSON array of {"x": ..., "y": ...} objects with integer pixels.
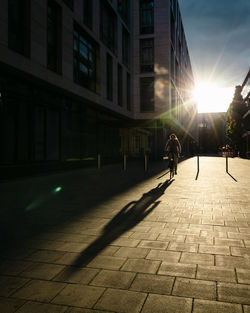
[{"x": 234, "y": 127}]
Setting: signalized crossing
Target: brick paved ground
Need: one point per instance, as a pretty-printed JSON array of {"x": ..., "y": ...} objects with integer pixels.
[{"x": 128, "y": 242}]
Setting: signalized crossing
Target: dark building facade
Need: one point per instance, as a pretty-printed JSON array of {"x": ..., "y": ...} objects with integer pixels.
[{"x": 79, "y": 78}]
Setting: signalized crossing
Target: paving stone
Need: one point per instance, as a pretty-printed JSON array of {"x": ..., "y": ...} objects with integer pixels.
[
  {"x": 194, "y": 288},
  {"x": 113, "y": 279},
  {"x": 244, "y": 229},
  {"x": 153, "y": 244},
  {"x": 47, "y": 256},
  {"x": 146, "y": 236},
  {"x": 178, "y": 269},
  {"x": 67, "y": 258},
  {"x": 229, "y": 242},
  {"x": 124, "y": 242},
  {"x": 243, "y": 276},
  {"x": 193, "y": 258},
  {"x": 232, "y": 261},
  {"x": 77, "y": 275},
  {"x": 121, "y": 301},
  {"x": 246, "y": 308},
  {"x": 107, "y": 262},
  {"x": 214, "y": 249},
  {"x": 216, "y": 273},
  {"x": 109, "y": 250},
  {"x": 169, "y": 256},
  {"x": 178, "y": 246},
  {"x": 237, "y": 293},
  {"x": 167, "y": 304},
  {"x": 79, "y": 295},
  {"x": 125, "y": 252},
  {"x": 187, "y": 232},
  {"x": 10, "y": 284},
  {"x": 141, "y": 266},
  {"x": 206, "y": 306},
  {"x": 42, "y": 271},
  {"x": 39, "y": 290},
  {"x": 242, "y": 236},
  {"x": 10, "y": 305},
  {"x": 197, "y": 239},
  {"x": 35, "y": 307},
  {"x": 140, "y": 229},
  {"x": 77, "y": 310},
  {"x": 236, "y": 251},
  {"x": 176, "y": 238},
  {"x": 13, "y": 267},
  {"x": 208, "y": 233},
  {"x": 153, "y": 283}
]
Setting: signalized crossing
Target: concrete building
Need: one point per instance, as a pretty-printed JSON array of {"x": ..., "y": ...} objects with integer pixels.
[{"x": 76, "y": 75}]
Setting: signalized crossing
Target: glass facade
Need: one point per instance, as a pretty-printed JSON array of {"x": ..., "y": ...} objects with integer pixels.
[
  {"x": 54, "y": 37},
  {"x": 109, "y": 77},
  {"x": 128, "y": 92},
  {"x": 146, "y": 16},
  {"x": 69, "y": 3},
  {"x": 108, "y": 26},
  {"x": 86, "y": 55},
  {"x": 19, "y": 26},
  {"x": 147, "y": 94},
  {"x": 88, "y": 13},
  {"x": 147, "y": 55},
  {"x": 125, "y": 46},
  {"x": 119, "y": 85},
  {"x": 123, "y": 7}
]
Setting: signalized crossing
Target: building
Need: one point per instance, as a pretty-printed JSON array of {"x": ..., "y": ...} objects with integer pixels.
[
  {"x": 80, "y": 78},
  {"x": 246, "y": 117}
]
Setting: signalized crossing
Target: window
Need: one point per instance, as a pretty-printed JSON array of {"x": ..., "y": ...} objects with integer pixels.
[
  {"x": 146, "y": 17},
  {"x": 125, "y": 46},
  {"x": 172, "y": 30},
  {"x": 137, "y": 142},
  {"x": 69, "y": 3},
  {"x": 54, "y": 37},
  {"x": 147, "y": 94},
  {"x": 120, "y": 84},
  {"x": 19, "y": 26},
  {"x": 86, "y": 58},
  {"x": 172, "y": 64},
  {"x": 109, "y": 72},
  {"x": 123, "y": 7},
  {"x": 147, "y": 55},
  {"x": 88, "y": 13},
  {"x": 128, "y": 92},
  {"x": 108, "y": 26}
]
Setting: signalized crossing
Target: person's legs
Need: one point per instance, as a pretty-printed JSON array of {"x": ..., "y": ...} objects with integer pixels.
[{"x": 175, "y": 163}]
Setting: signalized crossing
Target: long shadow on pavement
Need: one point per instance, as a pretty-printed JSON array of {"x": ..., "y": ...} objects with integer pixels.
[{"x": 130, "y": 215}]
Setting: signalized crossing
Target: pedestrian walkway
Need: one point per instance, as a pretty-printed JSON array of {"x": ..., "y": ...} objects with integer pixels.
[{"x": 96, "y": 241}]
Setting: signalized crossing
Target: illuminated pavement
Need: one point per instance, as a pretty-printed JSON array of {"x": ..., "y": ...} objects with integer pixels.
[{"x": 128, "y": 242}]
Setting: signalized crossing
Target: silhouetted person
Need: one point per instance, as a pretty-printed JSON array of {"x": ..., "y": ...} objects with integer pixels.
[{"x": 173, "y": 147}]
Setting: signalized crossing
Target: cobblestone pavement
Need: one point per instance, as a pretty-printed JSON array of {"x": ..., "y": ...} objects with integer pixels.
[{"x": 111, "y": 241}]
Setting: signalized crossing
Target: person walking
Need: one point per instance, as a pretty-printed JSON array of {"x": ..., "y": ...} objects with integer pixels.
[{"x": 173, "y": 146}]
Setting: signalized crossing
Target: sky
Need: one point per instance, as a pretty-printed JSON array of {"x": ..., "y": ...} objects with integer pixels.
[{"x": 218, "y": 39}]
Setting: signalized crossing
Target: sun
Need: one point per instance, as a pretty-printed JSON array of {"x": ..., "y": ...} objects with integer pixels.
[{"x": 212, "y": 98}]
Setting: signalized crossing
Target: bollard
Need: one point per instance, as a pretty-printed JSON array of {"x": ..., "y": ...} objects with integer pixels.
[
  {"x": 198, "y": 167},
  {"x": 145, "y": 162},
  {"x": 124, "y": 162},
  {"x": 99, "y": 160},
  {"x": 226, "y": 163}
]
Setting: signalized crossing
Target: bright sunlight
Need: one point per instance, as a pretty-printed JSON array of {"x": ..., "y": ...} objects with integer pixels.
[{"x": 211, "y": 98}]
